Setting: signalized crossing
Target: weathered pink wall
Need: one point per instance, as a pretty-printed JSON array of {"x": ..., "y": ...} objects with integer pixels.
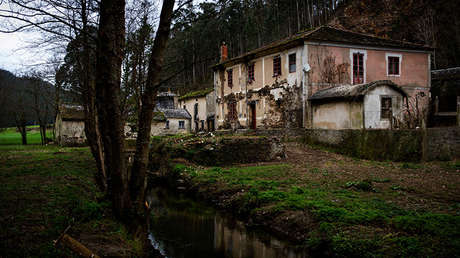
[{"x": 414, "y": 67}]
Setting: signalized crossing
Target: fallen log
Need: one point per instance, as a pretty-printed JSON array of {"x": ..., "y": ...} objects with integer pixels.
[{"x": 75, "y": 246}]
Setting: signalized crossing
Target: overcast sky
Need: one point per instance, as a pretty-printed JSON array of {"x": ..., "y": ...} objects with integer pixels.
[{"x": 16, "y": 57}]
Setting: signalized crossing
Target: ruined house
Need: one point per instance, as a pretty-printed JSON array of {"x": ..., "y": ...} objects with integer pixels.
[
  {"x": 374, "y": 105},
  {"x": 270, "y": 87},
  {"x": 201, "y": 105},
  {"x": 445, "y": 93},
  {"x": 70, "y": 125},
  {"x": 167, "y": 118}
]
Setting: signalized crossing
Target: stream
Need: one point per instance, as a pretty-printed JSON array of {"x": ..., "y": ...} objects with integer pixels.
[{"x": 181, "y": 227}]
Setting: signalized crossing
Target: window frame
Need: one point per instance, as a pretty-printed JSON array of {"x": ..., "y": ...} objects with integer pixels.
[
  {"x": 277, "y": 66},
  {"x": 181, "y": 122},
  {"x": 390, "y": 108},
  {"x": 230, "y": 78},
  {"x": 294, "y": 63},
  {"x": 387, "y": 61},
  {"x": 352, "y": 54},
  {"x": 251, "y": 72}
]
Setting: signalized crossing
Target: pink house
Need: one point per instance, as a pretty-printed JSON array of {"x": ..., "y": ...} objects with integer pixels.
[{"x": 272, "y": 86}]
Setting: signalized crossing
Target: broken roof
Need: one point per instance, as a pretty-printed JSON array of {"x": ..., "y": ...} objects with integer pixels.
[
  {"x": 70, "y": 112},
  {"x": 443, "y": 74},
  {"x": 353, "y": 91},
  {"x": 324, "y": 34},
  {"x": 163, "y": 114}
]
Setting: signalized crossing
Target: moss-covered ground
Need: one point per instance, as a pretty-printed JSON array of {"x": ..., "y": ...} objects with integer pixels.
[
  {"x": 43, "y": 190},
  {"x": 342, "y": 206}
]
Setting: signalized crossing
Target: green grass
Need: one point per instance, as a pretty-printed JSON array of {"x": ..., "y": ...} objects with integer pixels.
[
  {"x": 10, "y": 136},
  {"x": 45, "y": 189},
  {"x": 355, "y": 205}
]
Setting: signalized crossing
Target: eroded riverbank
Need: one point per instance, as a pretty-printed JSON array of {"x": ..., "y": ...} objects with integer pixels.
[{"x": 337, "y": 206}]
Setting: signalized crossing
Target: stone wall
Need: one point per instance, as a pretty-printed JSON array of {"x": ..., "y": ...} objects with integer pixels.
[
  {"x": 227, "y": 150},
  {"x": 443, "y": 143},
  {"x": 397, "y": 145}
]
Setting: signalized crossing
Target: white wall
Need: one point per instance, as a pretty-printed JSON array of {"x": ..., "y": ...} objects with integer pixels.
[
  {"x": 337, "y": 115},
  {"x": 372, "y": 107},
  {"x": 159, "y": 128}
]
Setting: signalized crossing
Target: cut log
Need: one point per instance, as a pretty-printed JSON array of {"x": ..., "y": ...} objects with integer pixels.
[{"x": 77, "y": 247}]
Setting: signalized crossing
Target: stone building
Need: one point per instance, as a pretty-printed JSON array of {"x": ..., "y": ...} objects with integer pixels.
[
  {"x": 201, "y": 105},
  {"x": 70, "y": 125},
  {"x": 167, "y": 118},
  {"x": 269, "y": 87},
  {"x": 375, "y": 105}
]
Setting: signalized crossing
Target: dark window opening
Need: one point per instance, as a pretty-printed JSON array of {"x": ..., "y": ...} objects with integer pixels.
[
  {"x": 251, "y": 73},
  {"x": 230, "y": 78},
  {"x": 167, "y": 124},
  {"x": 292, "y": 63},
  {"x": 276, "y": 66},
  {"x": 393, "y": 65},
  {"x": 181, "y": 124},
  {"x": 385, "y": 111},
  {"x": 358, "y": 68},
  {"x": 202, "y": 125}
]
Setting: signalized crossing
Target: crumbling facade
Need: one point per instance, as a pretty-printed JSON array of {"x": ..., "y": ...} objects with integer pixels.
[
  {"x": 201, "y": 105},
  {"x": 269, "y": 87},
  {"x": 70, "y": 125}
]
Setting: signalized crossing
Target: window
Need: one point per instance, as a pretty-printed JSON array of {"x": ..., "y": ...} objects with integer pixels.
[
  {"x": 385, "y": 110},
  {"x": 358, "y": 68},
  {"x": 250, "y": 73},
  {"x": 276, "y": 66},
  {"x": 292, "y": 63},
  {"x": 393, "y": 63},
  {"x": 230, "y": 78},
  {"x": 181, "y": 124},
  {"x": 167, "y": 124},
  {"x": 202, "y": 125}
]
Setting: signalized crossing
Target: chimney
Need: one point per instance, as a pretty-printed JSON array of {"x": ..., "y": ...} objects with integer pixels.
[{"x": 223, "y": 52}]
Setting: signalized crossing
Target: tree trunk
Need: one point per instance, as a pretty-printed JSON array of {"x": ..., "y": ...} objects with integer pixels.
[
  {"x": 111, "y": 40},
  {"x": 87, "y": 79},
  {"x": 139, "y": 168},
  {"x": 23, "y": 131}
]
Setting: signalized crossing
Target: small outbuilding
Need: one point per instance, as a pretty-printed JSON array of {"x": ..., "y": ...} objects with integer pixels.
[
  {"x": 70, "y": 125},
  {"x": 375, "y": 105}
]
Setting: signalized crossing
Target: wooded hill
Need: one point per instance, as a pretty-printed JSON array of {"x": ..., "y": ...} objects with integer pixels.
[
  {"x": 244, "y": 25},
  {"x": 25, "y": 100}
]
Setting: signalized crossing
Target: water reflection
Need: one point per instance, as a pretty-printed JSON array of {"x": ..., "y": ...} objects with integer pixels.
[{"x": 181, "y": 227}]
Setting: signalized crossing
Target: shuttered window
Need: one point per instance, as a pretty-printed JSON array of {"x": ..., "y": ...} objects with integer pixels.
[
  {"x": 292, "y": 63},
  {"x": 230, "y": 78},
  {"x": 385, "y": 111},
  {"x": 358, "y": 68},
  {"x": 250, "y": 73},
  {"x": 276, "y": 66},
  {"x": 393, "y": 65}
]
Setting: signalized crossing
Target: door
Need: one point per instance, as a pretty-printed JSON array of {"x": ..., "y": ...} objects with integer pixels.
[{"x": 253, "y": 117}]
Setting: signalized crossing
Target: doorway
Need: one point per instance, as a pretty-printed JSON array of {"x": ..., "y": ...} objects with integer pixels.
[{"x": 252, "y": 115}]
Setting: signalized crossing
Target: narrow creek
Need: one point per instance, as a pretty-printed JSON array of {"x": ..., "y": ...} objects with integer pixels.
[{"x": 181, "y": 227}]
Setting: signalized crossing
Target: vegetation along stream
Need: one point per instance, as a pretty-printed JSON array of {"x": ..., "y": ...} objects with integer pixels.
[{"x": 182, "y": 227}]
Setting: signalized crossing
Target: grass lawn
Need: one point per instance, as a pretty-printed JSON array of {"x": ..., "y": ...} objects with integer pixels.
[
  {"x": 9, "y": 136},
  {"x": 351, "y": 207},
  {"x": 45, "y": 189}
]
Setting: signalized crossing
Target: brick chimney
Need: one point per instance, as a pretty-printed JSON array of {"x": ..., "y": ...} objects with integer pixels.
[{"x": 223, "y": 52}]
